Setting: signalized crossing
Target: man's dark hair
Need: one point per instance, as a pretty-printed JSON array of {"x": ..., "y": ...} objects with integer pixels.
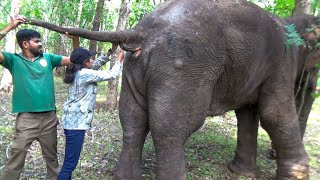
[{"x": 26, "y": 35}]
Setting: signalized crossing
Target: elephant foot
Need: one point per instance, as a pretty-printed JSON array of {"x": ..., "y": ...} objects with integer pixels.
[
  {"x": 271, "y": 154},
  {"x": 125, "y": 171},
  {"x": 296, "y": 171},
  {"x": 240, "y": 169},
  {"x": 124, "y": 176}
]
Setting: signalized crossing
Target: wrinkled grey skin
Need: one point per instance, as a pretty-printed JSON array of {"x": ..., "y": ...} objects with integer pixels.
[
  {"x": 244, "y": 162},
  {"x": 203, "y": 58},
  {"x": 304, "y": 101},
  {"x": 190, "y": 59}
]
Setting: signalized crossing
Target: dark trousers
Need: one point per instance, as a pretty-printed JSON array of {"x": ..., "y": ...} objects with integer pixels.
[{"x": 74, "y": 142}]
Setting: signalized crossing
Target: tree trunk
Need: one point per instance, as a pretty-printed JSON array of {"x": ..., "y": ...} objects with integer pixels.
[
  {"x": 61, "y": 49},
  {"x": 112, "y": 96},
  {"x": 302, "y": 7},
  {"x": 96, "y": 23},
  {"x": 79, "y": 12},
  {"x": 315, "y": 9},
  {"x": 62, "y": 39},
  {"x": 6, "y": 81}
]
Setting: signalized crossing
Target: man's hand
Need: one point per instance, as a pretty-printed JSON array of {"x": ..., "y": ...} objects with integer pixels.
[{"x": 16, "y": 21}]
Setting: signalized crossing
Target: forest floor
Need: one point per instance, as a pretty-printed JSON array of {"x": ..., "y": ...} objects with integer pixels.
[{"x": 207, "y": 151}]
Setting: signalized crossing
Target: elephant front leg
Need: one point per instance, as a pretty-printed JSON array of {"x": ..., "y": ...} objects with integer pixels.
[
  {"x": 278, "y": 117},
  {"x": 244, "y": 162},
  {"x": 304, "y": 101},
  {"x": 134, "y": 122}
]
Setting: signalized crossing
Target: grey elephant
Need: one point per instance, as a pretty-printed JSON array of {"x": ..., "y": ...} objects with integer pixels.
[
  {"x": 244, "y": 162},
  {"x": 190, "y": 59}
]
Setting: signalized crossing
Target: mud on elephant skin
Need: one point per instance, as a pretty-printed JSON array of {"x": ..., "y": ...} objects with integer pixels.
[
  {"x": 187, "y": 60},
  {"x": 308, "y": 56}
]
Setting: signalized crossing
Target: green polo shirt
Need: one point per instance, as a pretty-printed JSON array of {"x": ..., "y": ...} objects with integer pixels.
[{"x": 33, "y": 86}]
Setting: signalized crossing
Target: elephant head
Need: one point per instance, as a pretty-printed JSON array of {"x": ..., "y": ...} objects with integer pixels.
[
  {"x": 313, "y": 39},
  {"x": 307, "y": 56}
]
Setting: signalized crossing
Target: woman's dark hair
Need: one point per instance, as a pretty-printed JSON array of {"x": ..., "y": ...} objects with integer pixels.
[
  {"x": 78, "y": 57},
  {"x": 71, "y": 72}
]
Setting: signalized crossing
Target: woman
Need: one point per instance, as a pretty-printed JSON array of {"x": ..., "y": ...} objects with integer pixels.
[{"x": 82, "y": 77}]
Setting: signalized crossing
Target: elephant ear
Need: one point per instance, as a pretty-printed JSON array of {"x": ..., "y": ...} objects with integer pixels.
[
  {"x": 313, "y": 59},
  {"x": 313, "y": 40},
  {"x": 313, "y": 36}
]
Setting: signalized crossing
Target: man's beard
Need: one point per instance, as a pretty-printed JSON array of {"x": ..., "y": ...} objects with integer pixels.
[{"x": 36, "y": 52}]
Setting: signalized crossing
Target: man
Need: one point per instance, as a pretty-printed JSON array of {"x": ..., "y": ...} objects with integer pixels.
[{"x": 33, "y": 99}]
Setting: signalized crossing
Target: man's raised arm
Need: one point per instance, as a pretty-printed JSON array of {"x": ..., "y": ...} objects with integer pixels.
[{"x": 14, "y": 22}]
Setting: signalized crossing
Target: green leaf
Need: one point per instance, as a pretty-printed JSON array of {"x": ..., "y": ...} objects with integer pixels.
[
  {"x": 315, "y": 95},
  {"x": 292, "y": 36}
]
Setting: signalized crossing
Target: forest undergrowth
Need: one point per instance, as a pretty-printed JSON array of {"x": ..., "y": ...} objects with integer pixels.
[{"x": 207, "y": 151}]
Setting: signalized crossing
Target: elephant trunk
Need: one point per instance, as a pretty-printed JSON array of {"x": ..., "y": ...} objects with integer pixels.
[{"x": 119, "y": 37}]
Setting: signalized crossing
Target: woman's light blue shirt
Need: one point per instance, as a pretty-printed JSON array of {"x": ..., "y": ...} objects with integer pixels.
[{"x": 78, "y": 109}]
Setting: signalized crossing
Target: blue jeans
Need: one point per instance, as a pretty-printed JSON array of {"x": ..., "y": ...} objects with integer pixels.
[{"x": 74, "y": 142}]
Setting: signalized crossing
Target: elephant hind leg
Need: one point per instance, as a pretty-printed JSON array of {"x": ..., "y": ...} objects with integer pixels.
[
  {"x": 169, "y": 138},
  {"x": 134, "y": 122},
  {"x": 244, "y": 162},
  {"x": 279, "y": 118},
  {"x": 171, "y": 163},
  {"x": 129, "y": 164}
]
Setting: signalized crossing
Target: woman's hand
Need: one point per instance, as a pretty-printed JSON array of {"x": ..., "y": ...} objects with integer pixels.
[
  {"x": 114, "y": 47},
  {"x": 121, "y": 56},
  {"x": 71, "y": 36},
  {"x": 75, "y": 39}
]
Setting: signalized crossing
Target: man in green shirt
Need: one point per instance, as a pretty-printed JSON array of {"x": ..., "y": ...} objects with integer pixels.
[{"x": 33, "y": 99}]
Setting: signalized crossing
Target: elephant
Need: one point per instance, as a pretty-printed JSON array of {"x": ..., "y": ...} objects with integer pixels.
[
  {"x": 244, "y": 162},
  {"x": 187, "y": 60}
]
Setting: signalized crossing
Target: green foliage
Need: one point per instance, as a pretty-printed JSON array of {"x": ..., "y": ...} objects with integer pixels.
[
  {"x": 292, "y": 36},
  {"x": 315, "y": 5},
  {"x": 138, "y": 9},
  {"x": 281, "y": 8},
  {"x": 4, "y": 7},
  {"x": 63, "y": 13},
  {"x": 4, "y": 11},
  {"x": 4, "y": 130},
  {"x": 315, "y": 95},
  {"x": 88, "y": 12}
]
